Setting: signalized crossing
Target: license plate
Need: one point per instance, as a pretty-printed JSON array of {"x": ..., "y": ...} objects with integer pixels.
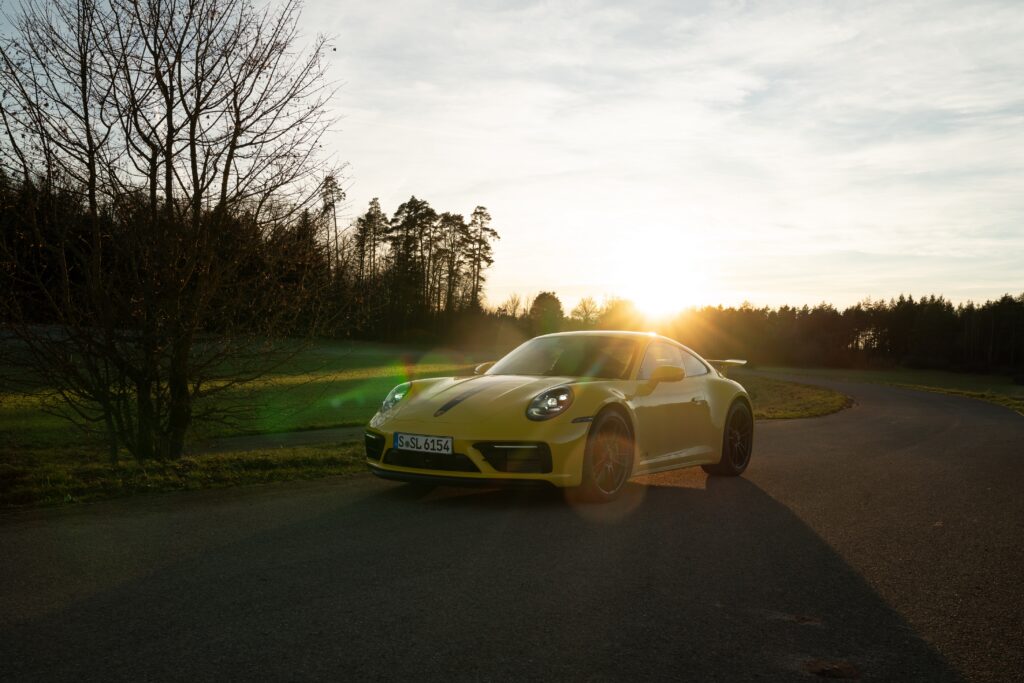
[{"x": 423, "y": 443}]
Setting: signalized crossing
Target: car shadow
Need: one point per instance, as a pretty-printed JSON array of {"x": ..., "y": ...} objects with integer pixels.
[{"x": 684, "y": 578}]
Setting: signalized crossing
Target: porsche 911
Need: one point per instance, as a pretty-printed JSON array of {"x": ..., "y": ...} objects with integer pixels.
[{"x": 579, "y": 410}]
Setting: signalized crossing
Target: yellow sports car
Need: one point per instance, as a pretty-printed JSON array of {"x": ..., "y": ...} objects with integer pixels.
[{"x": 576, "y": 409}]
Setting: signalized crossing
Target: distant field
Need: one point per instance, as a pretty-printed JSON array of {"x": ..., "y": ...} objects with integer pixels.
[
  {"x": 999, "y": 389},
  {"x": 333, "y": 385},
  {"x": 336, "y": 385},
  {"x": 43, "y": 460},
  {"x": 329, "y": 385}
]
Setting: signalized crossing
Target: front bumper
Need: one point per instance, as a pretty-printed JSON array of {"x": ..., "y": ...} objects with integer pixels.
[
  {"x": 565, "y": 447},
  {"x": 447, "y": 480}
]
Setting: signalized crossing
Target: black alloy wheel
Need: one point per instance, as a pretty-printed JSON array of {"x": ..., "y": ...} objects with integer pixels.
[
  {"x": 737, "y": 442},
  {"x": 608, "y": 463}
]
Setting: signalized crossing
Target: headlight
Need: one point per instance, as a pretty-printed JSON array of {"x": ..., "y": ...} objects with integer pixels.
[
  {"x": 394, "y": 396},
  {"x": 549, "y": 404}
]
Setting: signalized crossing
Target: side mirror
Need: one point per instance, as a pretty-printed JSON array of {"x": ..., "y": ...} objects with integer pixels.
[
  {"x": 667, "y": 373},
  {"x": 483, "y": 367}
]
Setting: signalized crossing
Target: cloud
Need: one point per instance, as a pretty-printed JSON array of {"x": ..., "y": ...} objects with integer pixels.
[{"x": 765, "y": 138}]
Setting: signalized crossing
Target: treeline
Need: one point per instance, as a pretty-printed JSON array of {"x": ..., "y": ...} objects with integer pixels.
[
  {"x": 415, "y": 274},
  {"x": 418, "y": 275},
  {"x": 407, "y": 276},
  {"x": 927, "y": 332}
]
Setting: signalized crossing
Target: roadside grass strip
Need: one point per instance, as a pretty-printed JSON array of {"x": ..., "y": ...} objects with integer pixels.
[
  {"x": 775, "y": 399},
  {"x": 46, "y": 461},
  {"x": 997, "y": 389},
  {"x": 31, "y": 481}
]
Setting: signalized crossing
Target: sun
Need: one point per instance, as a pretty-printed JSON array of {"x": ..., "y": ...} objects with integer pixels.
[{"x": 664, "y": 291}]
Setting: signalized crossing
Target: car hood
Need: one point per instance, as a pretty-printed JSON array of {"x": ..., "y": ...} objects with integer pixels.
[{"x": 472, "y": 398}]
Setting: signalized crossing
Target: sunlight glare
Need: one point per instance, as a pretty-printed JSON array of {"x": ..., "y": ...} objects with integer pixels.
[{"x": 667, "y": 283}]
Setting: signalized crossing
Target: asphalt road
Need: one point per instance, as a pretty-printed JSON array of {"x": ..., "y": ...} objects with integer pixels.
[{"x": 884, "y": 542}]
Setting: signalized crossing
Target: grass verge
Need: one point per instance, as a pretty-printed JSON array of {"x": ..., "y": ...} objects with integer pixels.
[
  {"x": 44, "y": 481},
  {"x": 998, "y": 389},
  {"x": 329, "y": 385},
  {"x": 44, "y": 462},
  {"x": 776, "y": 399}
]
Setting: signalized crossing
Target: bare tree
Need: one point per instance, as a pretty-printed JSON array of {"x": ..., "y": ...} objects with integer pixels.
[
  {"x": 512, "y": 306},
  {"x": 586, "y": 312},
  {"x": 169, "y": 156}
]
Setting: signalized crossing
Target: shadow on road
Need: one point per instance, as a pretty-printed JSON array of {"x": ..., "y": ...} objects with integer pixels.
[{"x": 686, "y": 578}]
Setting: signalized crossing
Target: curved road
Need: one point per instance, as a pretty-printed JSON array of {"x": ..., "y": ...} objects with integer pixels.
[{"x": 883, "y": 542}]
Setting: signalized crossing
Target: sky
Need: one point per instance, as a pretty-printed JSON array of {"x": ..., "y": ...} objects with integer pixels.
[{"x": 689, "y": 153}]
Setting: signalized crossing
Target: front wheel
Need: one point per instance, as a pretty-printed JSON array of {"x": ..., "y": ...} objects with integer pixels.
[
  {"x": 608, "y": 462},
  {"x": 737, "y": 442}
]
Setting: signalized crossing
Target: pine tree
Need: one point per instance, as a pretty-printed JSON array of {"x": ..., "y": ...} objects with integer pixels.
[{"x": 481, "y": 255}]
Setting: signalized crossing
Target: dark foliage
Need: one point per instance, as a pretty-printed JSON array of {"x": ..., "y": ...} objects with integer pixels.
[
  {"x": 929, "y": 332},
  {"x": 161, "y": 163},
  {"x": 416, "y": 276},
  {"x": 545, "y": 313}
]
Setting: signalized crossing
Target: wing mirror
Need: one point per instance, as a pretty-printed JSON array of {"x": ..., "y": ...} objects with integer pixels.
[
  {"x": 667, "y": 373},
  {"x": 483, "y": 367}
]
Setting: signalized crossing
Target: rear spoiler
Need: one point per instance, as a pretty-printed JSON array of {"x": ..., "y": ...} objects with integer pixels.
[{"x": 723, "y": 365}]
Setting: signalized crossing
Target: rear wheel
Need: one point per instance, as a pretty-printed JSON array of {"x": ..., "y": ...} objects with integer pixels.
[
  {"x": 737, "y": 442},
  {"x": 608, "y": 462}
]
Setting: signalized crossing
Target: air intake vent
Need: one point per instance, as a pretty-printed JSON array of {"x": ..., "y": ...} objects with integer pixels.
[
  {"x": 374, "y": 445},
  {"x": 522, "y": 457},
  {"x": 449, "y": 462}
]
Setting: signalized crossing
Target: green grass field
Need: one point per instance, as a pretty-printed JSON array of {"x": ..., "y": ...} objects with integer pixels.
[
  {"x": 329, "y": 385},
  {"x": 999, "y": 389},
  {"x": 777, "y": 400},
  {"x": 44, "y": 460}
]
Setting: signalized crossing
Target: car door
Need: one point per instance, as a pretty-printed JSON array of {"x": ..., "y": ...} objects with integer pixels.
[
  {"x": 669, "y": 414},
  {"x": 701, "y": 431}
]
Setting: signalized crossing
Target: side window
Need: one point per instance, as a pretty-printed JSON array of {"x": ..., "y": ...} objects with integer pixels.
[
  {"x": 693, "y": 365},
  {"x": 659, "y": 353}
]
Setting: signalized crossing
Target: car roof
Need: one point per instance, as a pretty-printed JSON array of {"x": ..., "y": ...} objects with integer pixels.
[
  {"x": 619, "y": 334},
  {"x": 622, "y": 334}
]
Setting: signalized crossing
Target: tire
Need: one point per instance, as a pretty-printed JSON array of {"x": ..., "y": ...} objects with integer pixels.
[
  {"x": 737, "y": 442},
  {"x": 608, "y": 460}
]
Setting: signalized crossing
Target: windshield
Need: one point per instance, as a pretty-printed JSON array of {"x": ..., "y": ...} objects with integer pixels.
[{"x": 570, "y": 356}]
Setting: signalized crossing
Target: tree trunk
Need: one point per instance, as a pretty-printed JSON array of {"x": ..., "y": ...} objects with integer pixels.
[
  {"x": 144, "y": 421},
  {"x": 108, "y": 420},
  {"x": 180, "y": 408}
]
